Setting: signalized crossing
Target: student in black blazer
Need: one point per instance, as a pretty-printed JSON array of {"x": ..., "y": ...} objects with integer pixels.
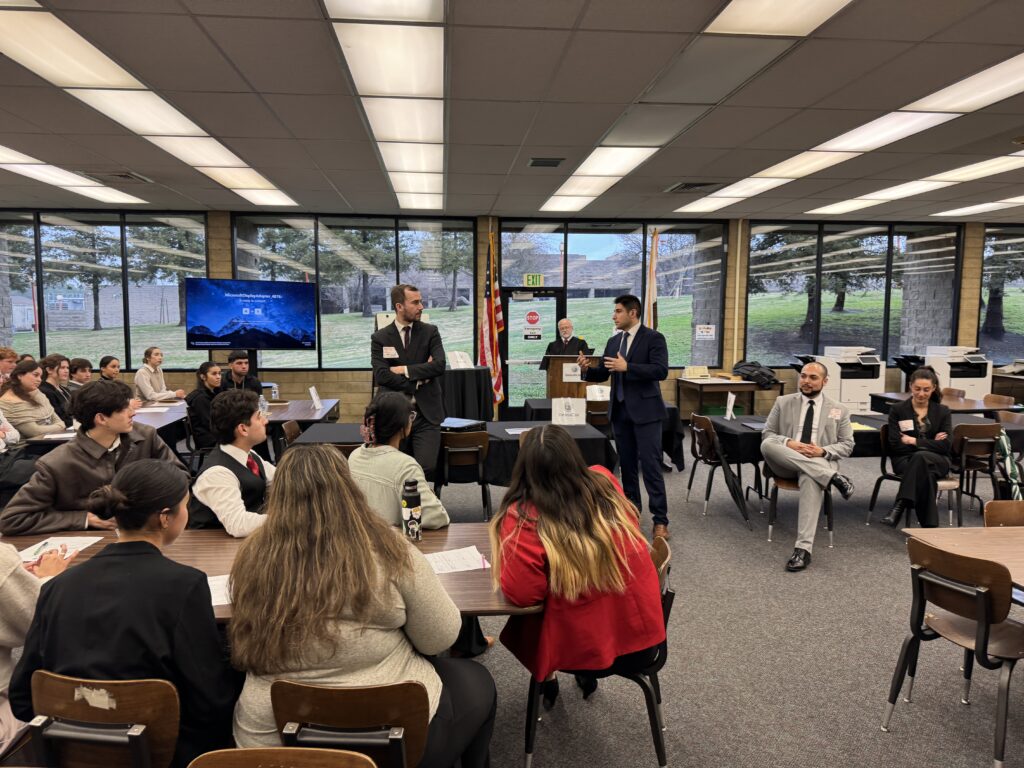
[
  {"x": 407, "y": 356},
  {"x": 130, "y": 613},
  {"x": 920, "y": 431}
]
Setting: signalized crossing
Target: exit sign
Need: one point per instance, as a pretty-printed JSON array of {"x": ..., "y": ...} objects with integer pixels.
[{"x": 535, "y": 280}]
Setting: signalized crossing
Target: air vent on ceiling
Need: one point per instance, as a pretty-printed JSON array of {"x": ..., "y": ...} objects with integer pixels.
[
  {"x": 693, "y": 186},
  {"x": 118, "y": 177},
  {"x": 545, "y": 162}
]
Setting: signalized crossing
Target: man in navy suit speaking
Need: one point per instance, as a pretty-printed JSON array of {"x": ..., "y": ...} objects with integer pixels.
[{"x": 636, "y": 359}]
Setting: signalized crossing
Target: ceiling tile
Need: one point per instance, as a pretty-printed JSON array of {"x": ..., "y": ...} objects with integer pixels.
[
  {"x": 643, "y": 15},
  {"x": 117, "y": 6},
  {"x": 289, "y": 9},
  {"x": 473, "y": 183},
  {"x": 11, "y": 124},
  {"x": 954, "y": 135},
  {"x": 468, "y": 205},
  {"x": 679, "y": 161},
  {"x": 272, "y": 153},
  {"x": 878, "y": 164},
  {"x": 490, "y": 122},
  {"x": 480, "y": 159},
  {"x": 295, "y": 179},
  {"x": 351, "y": 182},
  {"x": 282, "y": 55},
  {"x": 523, "y": 184},
  {"x": 560, "y": 124},
  {"x": 652, "y": 125},
  {"x": 57, "y": 150},
  {"x": 713, "y": 66},
  {"x": 150, "y": 47},
  {"x": 522, "y": 13},
  {"x": 911, "y": 20},
  {"x": 230, "y": 114},
  {"x": 573, "y": 157},
  {"x": 731, "y": 126},
  {"x": 810, "y": 128},
  {"x": 612, "y": 66},
  {"x": 505, "y": 64},
  {"x": 52, "y": 109},
  {"x": 344, "y": 155},
  {"x": 129, "y": 150},
  {"x": 998, "y": 22},
  {"x": 320, "y": 117}
]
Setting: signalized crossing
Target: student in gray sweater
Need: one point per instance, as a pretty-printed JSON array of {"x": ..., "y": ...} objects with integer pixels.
[{"x": 379, "y": 467}]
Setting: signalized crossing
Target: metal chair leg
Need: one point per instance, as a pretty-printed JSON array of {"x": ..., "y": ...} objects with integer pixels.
[
  {"x": 874, "y": 497},
  {"x": 707, "y": 491},
  {"x": 689, "y": 485},
  {"x": 965, "y": 697},
  {"x": 1002, "y": 707},
  {"x": 898, "y": 676},
  {"x": 532, "y": 718},
  {"x": 654, "y": 715}
]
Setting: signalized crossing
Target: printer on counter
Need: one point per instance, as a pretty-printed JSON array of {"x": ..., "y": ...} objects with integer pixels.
[
  {"x": 854, "y": 374},
  {"x": 961, "y": 368}
]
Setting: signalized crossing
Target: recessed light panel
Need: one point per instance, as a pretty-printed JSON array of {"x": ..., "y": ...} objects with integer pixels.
[
  {"x": 587, "y": 186},
  {"x": 971, "y": 210},
  {"x": 707, "y": 204},
  {"x": 237, "y": 178},
  {"x": 996, "y": 83},
  {"x": 749, "y": 187},
  {"x": 791, "y": 18},
  {"x": 429, "y": 183},
  {"x": 198, "y": 150},
  {"x": 394, "y": 59},
  {"x": 423, "y": 202},
  {"x": 567, "y": 202},
  {"x": 909, "y": 189},
  {"x": 269, "y": 197},
  {"x": 885, "y": 130},
  {"x": 614, "y": 161},
  {"x": 805, "y": 164},
  {"x": 846, "y": 206},
  {"x": 143, "y": 112},
  {"x": 980, "y": 170},
  {"x": 419, "y": 120},
  {"x": 107, "y": 195},
  {"x": 414, "y": 158},
  {"x": 8, "y": 155},
  {"x": 51, "y": 174},
  {"x": 387, "y": 10}
]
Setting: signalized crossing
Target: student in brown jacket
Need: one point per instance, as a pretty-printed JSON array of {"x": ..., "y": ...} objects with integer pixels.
[{"x": 54, "y": 499}]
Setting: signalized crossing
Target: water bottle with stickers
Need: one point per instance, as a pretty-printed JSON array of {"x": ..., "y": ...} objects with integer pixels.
[
  {"x": 264, "y": 406},
  {"x": 275, "y": 393},
  {"x": 411, "y": 510}
]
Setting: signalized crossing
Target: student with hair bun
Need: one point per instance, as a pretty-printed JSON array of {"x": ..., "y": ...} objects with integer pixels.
[
  {"x": 379, "y": 467},
  {"x": 130, "y": 613}
]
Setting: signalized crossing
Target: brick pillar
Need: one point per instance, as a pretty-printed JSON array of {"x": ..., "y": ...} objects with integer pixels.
[
  {"x": 734, "y": 320},
  {"x": 970, "y": 284},
  {"x": 707, "y": 297},
  {"x": 927, "y": 309}
]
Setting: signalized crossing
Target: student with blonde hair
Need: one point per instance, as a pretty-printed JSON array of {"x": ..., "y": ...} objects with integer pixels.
[
  {"x": 567, "y": 537},
  {"x": 349, "y": 602}
]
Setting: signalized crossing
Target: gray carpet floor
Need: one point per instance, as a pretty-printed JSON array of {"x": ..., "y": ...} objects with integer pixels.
[{"x": 768, "y": 668}]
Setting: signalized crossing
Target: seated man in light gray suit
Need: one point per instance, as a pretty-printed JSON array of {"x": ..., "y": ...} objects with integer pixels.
[{"x": 805, "y": 436}]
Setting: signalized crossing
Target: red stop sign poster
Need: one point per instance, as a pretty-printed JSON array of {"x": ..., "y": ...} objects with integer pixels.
[{"x": 532, "y": 317}]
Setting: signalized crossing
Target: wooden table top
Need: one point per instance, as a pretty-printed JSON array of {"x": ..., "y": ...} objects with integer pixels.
[
  {"x": 301, "y": 410},
  {"x": 716, "y": 383},
  {"x": 213, "y": 552},
  {"x": 1000, "y": 545},
  {"x": 953, "y": 403}
]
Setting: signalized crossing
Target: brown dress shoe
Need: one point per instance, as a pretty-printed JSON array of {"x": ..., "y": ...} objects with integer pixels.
[{"x": 661, "y": 530}]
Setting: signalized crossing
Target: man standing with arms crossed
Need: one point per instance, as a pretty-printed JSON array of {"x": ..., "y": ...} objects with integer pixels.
[
  {"x": 636, "y": 359},
  {"x": 407, "y": 356}
]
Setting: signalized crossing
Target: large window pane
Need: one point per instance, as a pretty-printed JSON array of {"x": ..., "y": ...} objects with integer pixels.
[
  {"x": 853, "y": 267},
  {"x": 782, "y": 298},
  {"x": 1001, "y": 334},
  {"x": 530, "y": 248},
  {"x": 275, "y": 248},
  {"x": 357, "y": 272},
  {"x": 82, "y": 286},
  {"x": 437, "y": 257},
  {"x": 921, "y": 304},
  {"x": 18, "y": 312},
  {"x": 691, "y": 259},
  {"x": 605, "y": 261},
  {"x": 162, "y": 252}
]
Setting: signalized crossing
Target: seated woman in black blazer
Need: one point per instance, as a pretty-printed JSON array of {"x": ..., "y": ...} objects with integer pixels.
[
  {"x": 920, "y": 430},
  {"x": 199, "y": 402},
  {"x": 130, "y": 613}
]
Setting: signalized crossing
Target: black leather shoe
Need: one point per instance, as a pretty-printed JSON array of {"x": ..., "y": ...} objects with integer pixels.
[
  {"x": 587, "y": 684},
  {"x": 843, "y": 484},
  {"x": 801, "y": 559},
  {"x": 896, "y": 514},
  {"x": 549, "y": 693}
]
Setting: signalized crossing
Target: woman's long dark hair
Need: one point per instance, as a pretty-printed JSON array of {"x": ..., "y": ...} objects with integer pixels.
[
  {"x": 14, "y": 383},
  {"x": 138, "y": 491},
  {"x": 928, "y": 373},
  {"x": 203, "y": 370},
  {"x": 386, "y": 416}
]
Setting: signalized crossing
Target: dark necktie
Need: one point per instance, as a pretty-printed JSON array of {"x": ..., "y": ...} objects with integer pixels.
[
  {"x": 252, "y": 465},
  {"x": 620, "y": 392},
  {"x": 405, "y": 336},
  {"x": 805, "y": 435}
]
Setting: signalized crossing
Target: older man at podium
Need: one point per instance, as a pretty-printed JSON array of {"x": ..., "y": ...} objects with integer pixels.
[{"x": 565, "y": 344}]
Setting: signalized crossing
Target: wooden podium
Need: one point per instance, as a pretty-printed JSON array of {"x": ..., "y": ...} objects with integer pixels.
[{"x": 558, "y": 388}]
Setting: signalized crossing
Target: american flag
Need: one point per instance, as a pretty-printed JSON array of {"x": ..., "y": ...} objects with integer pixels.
[{"x": 492, "y": 322}]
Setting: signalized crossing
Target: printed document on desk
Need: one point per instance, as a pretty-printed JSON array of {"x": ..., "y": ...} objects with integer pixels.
[
  {"x": 73, "y": 543},
  {"x": 456, "y": 560},
  {"x": 219, "y": 593}
]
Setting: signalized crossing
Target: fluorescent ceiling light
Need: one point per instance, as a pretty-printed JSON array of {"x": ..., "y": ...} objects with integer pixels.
[
  {"x": 394, "y": 60},
  {"x": 567, "y": 202},
  {"x": 198, "y": 150},
  {"x": 706, "y": 204},
  {"x": 19, "y": 4},
  {"x": 106, "y": 195},
  {"x": 996, "y": 83},
  {"x": 589, "y": 186},
  {"x": 805, "y": 164},
  {"x": 420, "y": 201},
  {"x": 980, "y": 170},
  {"x": 1015, "y": 201},
  {"x": 885, "y": 130},
  {"x": 614, "y": 161},
  {"x": 909, "y": 189},
  {"x": 414, "y": 158},
  {"x": 51, "y": 174},
  {"x": 970, "y": 210},
  {"x": 386, "y": 10},
  {"x": 846, "y": 206},
  {"x": 431, "y": 183},
  {"x": 47, "y": 46},
  {"x": 420, "y": 120},
  {"x": 273, "y": 197},
  {"x": 143, "y": 112},
  {"x": 8, "y": 155},
  {"x": 749, "y": 187},
  {"x": 237, "y": 178},
  {"x": 792, "y": 18}
]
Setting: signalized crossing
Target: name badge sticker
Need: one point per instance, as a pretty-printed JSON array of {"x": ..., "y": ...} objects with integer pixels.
[
  {"x": 906, "y": 425},
  {"x": 835, "y": 413},
  {"x": 390, "y": 353}
]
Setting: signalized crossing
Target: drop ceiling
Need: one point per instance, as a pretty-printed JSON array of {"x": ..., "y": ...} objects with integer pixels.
[{"x": 533, "y": 78}]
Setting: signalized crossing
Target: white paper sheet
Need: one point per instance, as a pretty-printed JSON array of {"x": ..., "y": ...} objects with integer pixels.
[
  {"x": 730, "y": 403},
  {"x": 219, "y": 594},
  {"x": 571, "y": 373},
  {"x": 58, "y": 435},
  {"x": 152, "y": 409},
  {"x": 455, "y": 560},
  {"x": 73, "y": 543},
  {"x": 518, "y": 430}
]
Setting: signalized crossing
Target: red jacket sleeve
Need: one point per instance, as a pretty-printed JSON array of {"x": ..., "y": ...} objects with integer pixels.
[{"x": 524, "y": 565}]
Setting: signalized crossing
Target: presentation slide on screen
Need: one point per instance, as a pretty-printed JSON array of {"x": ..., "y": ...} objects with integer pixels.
[{"x": 249, "y": 314}]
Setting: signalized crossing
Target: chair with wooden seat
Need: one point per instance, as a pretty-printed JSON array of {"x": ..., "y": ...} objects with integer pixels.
[
  {"x": 193, "y": 455},
  {"x": 282, "y": 757},
  {"x": 702, "y": 449},
  {"x": 792, "y": 484},
  {"x": 945, "y": 485},
  {"x": 1004, "y": 513},
  {"x": 465, "y": 452},
  {"x": 291, "y": 430},
  {"x": 83, "y": 723},
  {"x": 388, "y": 723},
  {"x": 999, "y": 401},
  {"x": 647, "y": 678},
  {"x": 1011, "y": 418},
  {"x": 953, "y": 392},
  {"x": 974, "y": 453},
  {"x": 965, "y": 600}
]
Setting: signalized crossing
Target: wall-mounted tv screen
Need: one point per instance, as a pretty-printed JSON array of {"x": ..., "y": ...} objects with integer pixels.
[{"x": 249, "y": 314}]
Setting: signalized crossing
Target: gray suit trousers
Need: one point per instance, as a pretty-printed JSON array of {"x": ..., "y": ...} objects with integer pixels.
[{"x": 813, "y": 474}]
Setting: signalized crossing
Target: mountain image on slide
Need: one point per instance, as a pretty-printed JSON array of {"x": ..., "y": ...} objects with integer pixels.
[{"x": 242, "y": 333}]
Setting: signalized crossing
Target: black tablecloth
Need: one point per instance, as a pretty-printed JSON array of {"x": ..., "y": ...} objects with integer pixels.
[
  {"x": 502, "y": 450},
  {"x": 467, "y": 393},
  {"x": 741, "y": 443},
  {"x": 539, "y": 409}
]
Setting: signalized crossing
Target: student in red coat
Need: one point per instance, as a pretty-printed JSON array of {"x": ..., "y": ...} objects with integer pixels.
[{"x": 567, "y": 537}]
